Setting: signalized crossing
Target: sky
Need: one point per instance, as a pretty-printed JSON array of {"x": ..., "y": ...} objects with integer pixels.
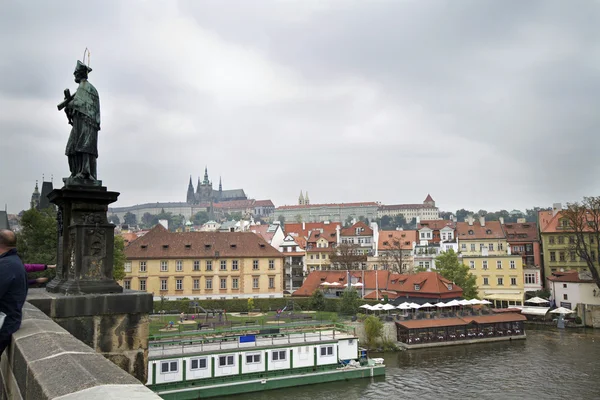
[{"x": 484, "y": 104}]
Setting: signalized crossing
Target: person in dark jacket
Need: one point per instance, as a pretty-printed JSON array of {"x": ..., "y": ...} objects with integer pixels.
[{"x": 13, "y": 287}]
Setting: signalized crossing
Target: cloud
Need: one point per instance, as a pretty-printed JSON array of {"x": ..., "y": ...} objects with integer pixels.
[{"x": 482, "y": 104}]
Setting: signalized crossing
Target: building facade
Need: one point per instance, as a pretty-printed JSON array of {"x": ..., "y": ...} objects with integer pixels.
[
  {"x": 425, "y": 211},
  {"x": 203, "y": 265},
  {"x": 294, "y": 263},
  {"x": 572, "y": 289},
  {"x": 205, "y": 193},
  {"x": 326, "y": 212},
  {"x": 523, "y": 240}
]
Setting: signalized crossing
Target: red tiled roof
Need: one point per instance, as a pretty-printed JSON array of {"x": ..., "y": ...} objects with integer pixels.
[
  {"x": 262, "y": 231},
  {"x": 568, "y": 276},
  {"x": 431, "y": 323},
  {"x": 337, "y": 205},
  {"x": 436, "y": 224},
  {"x": 364, "y": 230},
  {"x": 328, "y": 234},
  {"x": 129, "y": 237},
  {"x": 429, "y": 283},
  {"x": 491, "y": 230},
  {"x": 201, "y": 244},
  {"x": 521, "y": 232},
  {"x": 490, "y": 319},
  {"x": 388, "y": 240},
  {"x": 428, "y": 198},
  {"x": 381, "y": 294},
  {"x": 403, "y": 206},
  {"x": 235, "y": 204},
  {"x": 263, "y": 203}
]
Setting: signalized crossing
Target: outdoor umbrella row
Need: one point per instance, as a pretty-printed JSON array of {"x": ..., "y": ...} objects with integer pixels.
[{"x": 414, "y": 306}]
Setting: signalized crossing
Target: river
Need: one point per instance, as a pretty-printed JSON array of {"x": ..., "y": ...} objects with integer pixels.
[{"x": 549, "y": 364}]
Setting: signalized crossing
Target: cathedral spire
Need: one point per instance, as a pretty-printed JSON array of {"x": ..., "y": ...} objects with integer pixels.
[
  {"x": 301, "y": 199},
  {"x": 205, "y": 175},
  {"x": 220, "y": 185},
  {"x": 190, "y": 192}
]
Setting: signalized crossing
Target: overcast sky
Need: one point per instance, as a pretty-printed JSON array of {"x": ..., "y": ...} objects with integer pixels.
[{"x": 483, "y": 104}]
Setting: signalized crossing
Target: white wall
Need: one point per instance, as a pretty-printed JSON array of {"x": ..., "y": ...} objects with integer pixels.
[
  {"x": 199, "y": 373},
  {"x": 275, "y": 365},
  {"x": 329, "y": 359},
  {"x": 348, "y": 349},
  {"x": 228, "y": 370},
  {"x": 166, "y": 377},
  {"x": 254, "y": 367},
  {"x": 304, "y": 356}
]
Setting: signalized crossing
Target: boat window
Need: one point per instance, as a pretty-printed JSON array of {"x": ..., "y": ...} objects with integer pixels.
[
  {"x": 198, "y": 363},
  {"x": 167, "y": 367},
  {"x": 279, "y": 355},
  {"x": 253, "y": 358},
  {"x": 226, "y": 361},
  {"x": 326, "y": 351}
]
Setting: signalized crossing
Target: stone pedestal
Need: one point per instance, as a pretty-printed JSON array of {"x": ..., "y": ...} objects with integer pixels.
[
  {"x": 85, "y": 240},
  {"x": 115, "y": 325}
]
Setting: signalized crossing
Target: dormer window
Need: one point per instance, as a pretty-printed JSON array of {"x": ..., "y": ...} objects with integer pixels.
[
  {"x": 144, "y": 246},
  {"x": 488, "y": 232},
  {"x": 417, "y": 286},
  {"x": 386, "y": 243},
  {"x": 262, "y": 246},
  {"x": 233, "y": 245},
  {"x": 188, "y": 246},
  {"x": 449, "y": 286},
  {"x": 165, "y": 246},
  {"x": 207, "y": 247},
  {"x": 471, "y": 232}
]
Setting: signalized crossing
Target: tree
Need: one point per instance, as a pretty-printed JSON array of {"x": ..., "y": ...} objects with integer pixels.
[
  {"x": 450, "y": 267},
  {"x": 119, "y": 258},
  {"x": 373, "y": 329},
  {"x": 281, "y": 219},
  {"x": 236, "y": 216},
  {"x": 393, "y": 257},
  {"x": 37, "y": 240},
  {"x": 345, "y": 257},
  {"x": 399, "y": 221},
  {"x": 298, "y": 218},
  {"x": 130, "y": 219},
  {"x": 147, "y": 219},
  {"x": 583, "y": 221},
  {"x": 386, "y": 222},
  {"x": 348, "y": 221},
  {"x": 177, "y": 222},
  {"x": 201, "y": 217},
  {"x": 462, "y": 214},
  {"x": 114, "y": 219},
  {"x": 317, "y": 301},
  {"x": 250, "y": 304},
  {"x": 349, "y": 302}
]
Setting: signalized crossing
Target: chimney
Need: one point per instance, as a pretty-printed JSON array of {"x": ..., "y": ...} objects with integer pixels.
[
  {"x": 303, "y": 225},
  {"x": 470, "y": 220},
  {"x": 482, "y": 221},
  {"x": 501, "y": 220},
  {"x": 337, "y": 234},
  {"x": 521, "y": 220},
  {"x": 556, "y": 208},
  {"x": 164, "y": 222}
]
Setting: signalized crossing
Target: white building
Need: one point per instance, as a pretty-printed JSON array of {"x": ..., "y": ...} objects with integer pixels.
[
  {"x": 294, "y": 263},
  {"x": 571, "y": 288},
  {"x": 427, "y": 210}
]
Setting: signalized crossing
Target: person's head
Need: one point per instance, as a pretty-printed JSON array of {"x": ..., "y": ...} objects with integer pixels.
[
  {"x": 8, "y": 240},
  {"x": 81, "y": 71}
]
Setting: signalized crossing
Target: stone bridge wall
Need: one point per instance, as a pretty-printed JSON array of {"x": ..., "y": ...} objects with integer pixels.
[{"x": 44, "y": 361}]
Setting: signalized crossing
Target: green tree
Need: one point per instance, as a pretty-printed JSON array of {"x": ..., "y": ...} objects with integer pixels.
[
  {"x": 281, "y": 219},
  {"x": 386, "y": 222},
  {"x": 114, "y": 219},
  {"x": 373, "y": 329},
  {"x": 201, "y": 217},
  {"x": 349, "y": 303},
  {"x": 317, "y": 301},
  {"x": 37, "y": 240},
  {"x": 250, "y": 304},
  {"x": 130, "y": 219},
  {"x": 119, "y": 258},
  {"x": 450, "y": 267},
  {"x": 177, "y": 222},
  {"x": 236, "y": 216},
  {"x": 348, "y": 221},
  {"x": 399, "y": 221},
  {"x": 147, "y": 219},
  {"x": 298, "y": 218}
]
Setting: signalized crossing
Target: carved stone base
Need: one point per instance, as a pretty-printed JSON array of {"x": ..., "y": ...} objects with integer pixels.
[{"x": 85, "y": 241}]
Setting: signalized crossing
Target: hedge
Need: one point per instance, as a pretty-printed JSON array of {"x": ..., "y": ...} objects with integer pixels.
[{"x": 238, "y": 305}]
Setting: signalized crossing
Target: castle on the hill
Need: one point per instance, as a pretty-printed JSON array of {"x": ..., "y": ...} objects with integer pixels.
[{"x": 205, "y": 193}]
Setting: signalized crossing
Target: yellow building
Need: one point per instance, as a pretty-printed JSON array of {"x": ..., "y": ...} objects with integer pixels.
[
  {"x": 319, "y": 246},
  {"x": 484, "y": 249},
  {"x": 203, "y": 265}
]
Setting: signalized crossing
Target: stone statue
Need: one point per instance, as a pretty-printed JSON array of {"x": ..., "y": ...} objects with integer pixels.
[{"x": 83, "y": 113}]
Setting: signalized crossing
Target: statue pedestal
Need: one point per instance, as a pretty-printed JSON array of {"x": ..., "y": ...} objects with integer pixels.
[{"x": 84, "y": 261}]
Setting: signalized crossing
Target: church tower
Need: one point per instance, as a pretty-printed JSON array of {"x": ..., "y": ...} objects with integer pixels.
[
  {"x": 220, "y": 196},
  {"x": 306, "y": 199},
  {"x": 35, "y": 197},
  {"x": 301, "y": 199},
  {"x": 191, "y": 199}
]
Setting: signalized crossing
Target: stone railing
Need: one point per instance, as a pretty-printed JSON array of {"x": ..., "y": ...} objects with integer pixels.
[{"x": 44, "y": 361}]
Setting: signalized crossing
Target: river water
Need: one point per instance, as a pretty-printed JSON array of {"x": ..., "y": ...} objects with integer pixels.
[{"x": 549, "y": 364}]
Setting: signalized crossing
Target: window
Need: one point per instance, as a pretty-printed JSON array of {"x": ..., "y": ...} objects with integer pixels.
[
  {"x": 551, "y": 240},
  {"x": 512, "y": 264},
  {"x": 500, "y": 247},
  {"x": 564, "y": 285},
  {"x": 271, "y": 264},
  {"x": 561, "y": 256},
  {"x": 472, "y": 264},
  {"x": 209, "y": 283},
  {"x": 472, "y": 246},
  {"x": 500, "y": 281},
  {"x": 163, "y": 284},
  {"x": 278, "y": 355},
  {"x": 463, "y": 246},
  {"x": 226, "y": 361},
  {"x": 142, "y": 266},
  {"x": 234, "y": 265},
  {"x": 499, "y": 264},
  {"x": 178, "y": 284},
  {"x": 127, "y": 284},
  {"x": 196, "y": 284},
  {"x": 198, "y": 363},
  {"x": 143, "y": 285},
  {"x": 179, "y": 265},
  {"x": 417, "y": 286},
  {"x": 127, "y": 266},
  {"x": 449, "y": 286},
  {"x": 326, "y": 351},
  {"x": 223, "y": 283},
  {"x": 486, "y": 281},
  {"x": 254, "y": 264},
  {"x": 572, "y": 255},
  {"x": 529, "y": 279},
  {"x": 164, "y": 266},
  {"x": 481, "y": 246},
  {"x": 484, "y": 262},
  {"x": 223, "y": 265},
  {"x": 253, "y": 358},
  {"x": 168, "y": 367},
  {"x": 196, "y": 265},
  {"x": 513, "y": 281},
  {"x": 565, "y": 296},
  {"x": 209, "y": 265},
  {"x": 271, "y": 283},
  {"x": 552, "y": 256},
  {"x": 571, "y": 240},
  {"x": 255, "y": 283},
  {"x": 491, "y": 246},
  {"x": 561, "y": 240},
  {"x": 234, "y": 283}
]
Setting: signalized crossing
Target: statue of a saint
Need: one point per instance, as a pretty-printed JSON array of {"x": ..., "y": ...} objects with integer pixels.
[{"x": 83, "y": 113}]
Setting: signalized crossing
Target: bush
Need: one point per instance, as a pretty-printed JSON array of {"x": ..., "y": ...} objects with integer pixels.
[
  {"x": 578, "y": 320},
  {"x": 317, "y": 301},
  {"x": 349, "y": 302},
  {"x": 373, "y": 329}
]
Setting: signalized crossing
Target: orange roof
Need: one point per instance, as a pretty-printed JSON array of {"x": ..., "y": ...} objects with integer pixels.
[
  {"x": 308, "y": 226},
  {"x": 431, "y": 323},
  {"x": 328, "y": 234},
  {"x": 235, "y": 204},
  {"x": 490, "y": 319},
  {"x": 428, "y": 198},
  {"x": 491, "y": 230},
  {"x": 429, "y": 283},
  {"x": 315, "y": 278},
  {"x": 263, "y": 203},
  {"x": 337, "y": 205},
  {"x": 436, "y": 224},
  {"x": 363, "y": 230},
  {"x": 521, "y": 232},
  {"x": 568, "y": 276},
  {"x": 553, "y": 223},
  {"x": 389, "y": 240},
  {"x": 262, "y": 231},
  {"x": 129, "y": 237},
  {"x": 381, "y": 294}
]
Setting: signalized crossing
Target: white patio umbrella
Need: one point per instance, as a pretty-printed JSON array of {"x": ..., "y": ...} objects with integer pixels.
[
  {"x": 335, "y": 284},
  {"x": 415, "y": 306},
  {"x": 388, "y": 307},
  {"x": 537, "y": 300},
  {"x": 358, "y": 284},
  {"x": 562, "y": 310},
  {"x": 404, "y": 306},
  {"x": 464, "y": 302},
  {"x": 325, "y": 283},
  {"x": 474, "y": 302},
  {"x": 453, "y": 303},
  {"x": 440, "y": 304},
  {"x": 377, "y": 307},
  {"x": 427, "y": 305},
  {"x": 484, "y": 301},
  {"x": 366, "y": 306}
]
